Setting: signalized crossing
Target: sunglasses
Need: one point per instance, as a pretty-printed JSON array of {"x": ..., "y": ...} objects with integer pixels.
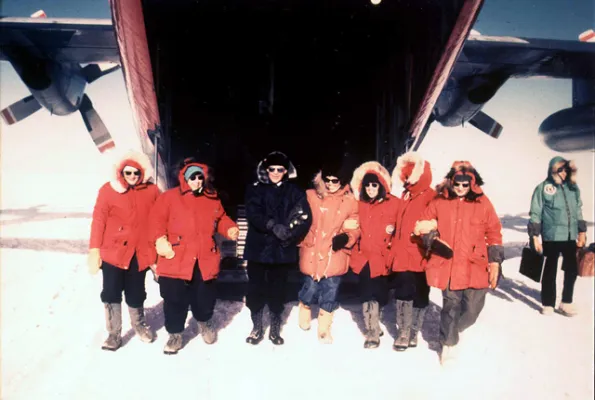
[
  {"x": 273, "y": 169},
  {"x": 372, "y": 184},
  {"x": 334, "y": 181},
  {"x": 196, "y": 176},
  {"x": 128, "y": 173},
  {"x": 561, "y": 169},
  {"x": 463, "y": 185}
]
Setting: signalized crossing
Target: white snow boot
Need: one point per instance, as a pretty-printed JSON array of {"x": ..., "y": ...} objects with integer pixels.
[
  {"x": 113, "y": 322},
  {"x": 567, "y": 309},
  {"x": 174, "y": 343}
]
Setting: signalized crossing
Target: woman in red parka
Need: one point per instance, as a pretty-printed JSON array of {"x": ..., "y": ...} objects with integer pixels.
[
  {"x": 120, "y": 247},
  {"x": 412, "y": 292},
  {"x": 370, "y": 258},
  {"x": 184, "y": 221},
  {"x": 464, "y": 218}
]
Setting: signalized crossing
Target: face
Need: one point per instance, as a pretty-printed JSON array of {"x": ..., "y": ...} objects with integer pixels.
[
  {"x": 332, "y": 183},
  {"x": 462, "y": 188},
  {"x": 195, "y": 181},
  {"x": 276, "y": 173},
  {"x": 131, "y": 175},
  {"x": 372, "y": 189},
  {"x": 562, "y": 172}
]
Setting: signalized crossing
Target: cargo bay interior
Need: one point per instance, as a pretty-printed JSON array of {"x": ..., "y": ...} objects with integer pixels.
[{"x": 317, "y": 80}]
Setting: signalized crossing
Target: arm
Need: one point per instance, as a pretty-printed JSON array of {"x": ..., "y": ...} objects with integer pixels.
[
  {"x": 493, "y": 234},
  {"x": 304, "y": 218},
  {"x": 428, "y": 221},
  {"x": 225, "y": 225},
  {"x": 582, "y": 224},
  {"x": 100, "y": 214},
  {"x": 158, "y": 218},
  {"x": 354, "y": 234},
  {"x": 255, "y": 212},
  {"x": 534, "y": 225}
]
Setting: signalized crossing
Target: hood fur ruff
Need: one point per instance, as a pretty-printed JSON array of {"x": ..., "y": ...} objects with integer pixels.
[
  {"x": 402, "y": 161},
  {"x": 263, "y": 176},
  {"x": 321, "y": 187},
  {"x": 445, "y": 188},
  {"x": 133, "y": 159},
  {"x": 370, "y": 167},
  {"x": 556, "y": 163}
]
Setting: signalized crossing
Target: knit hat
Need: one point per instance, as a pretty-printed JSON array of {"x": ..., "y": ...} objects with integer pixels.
[{"x": 193, "y": 169}]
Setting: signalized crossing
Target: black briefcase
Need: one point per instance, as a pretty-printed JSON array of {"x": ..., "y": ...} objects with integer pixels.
[{"x": 531, "y": 264}]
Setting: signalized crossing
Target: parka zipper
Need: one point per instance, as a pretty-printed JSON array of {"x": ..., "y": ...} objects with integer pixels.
[{"x": 567, "y": 209}]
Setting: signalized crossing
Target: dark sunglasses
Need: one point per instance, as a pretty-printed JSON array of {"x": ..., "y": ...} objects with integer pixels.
[
  {"x": 463, "y": 185},
  {"x": 196, "y": 176},
  {"x": 561, "y": 169},
  {"x": 273, "y": 169},
  {"x": 333, "y": 180},
  {"x": 128, "y": 173},
  {"x": 372, "y": 184}
]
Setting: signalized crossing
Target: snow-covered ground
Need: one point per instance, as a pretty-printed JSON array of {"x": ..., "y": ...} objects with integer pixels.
[{"x": 53, "y": 325}]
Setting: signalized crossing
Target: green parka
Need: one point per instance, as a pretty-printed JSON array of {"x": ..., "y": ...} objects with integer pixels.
[{"x": 556, "y": 206}]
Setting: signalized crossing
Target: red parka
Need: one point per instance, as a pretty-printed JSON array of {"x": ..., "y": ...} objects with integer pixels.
[
  {"x": 329, "y": 213},
  {"x": 120, "y": 216},
  {"x": 415, "y": 175},
  {"x": 471, "y": 228},
  {"x": 189, "y": 222},
  {"x": 376, "y": 220}
]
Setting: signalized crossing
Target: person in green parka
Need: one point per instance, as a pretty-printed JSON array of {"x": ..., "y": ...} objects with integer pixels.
[{"x": 556, "y": 215}]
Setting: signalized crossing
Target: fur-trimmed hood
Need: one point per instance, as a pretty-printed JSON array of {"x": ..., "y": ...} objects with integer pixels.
[
  {"x": 412, "y": 172},
  {"x": 321, "y": 191},
  {"x": 133, "y": 159},
  {"x": 261, "y": 170},
  {"x": 445, "y": 188},
  {"x": 370, "y": 167},
  {"x": 208, "y": 188},
  {"x": 558, "y": 162}
]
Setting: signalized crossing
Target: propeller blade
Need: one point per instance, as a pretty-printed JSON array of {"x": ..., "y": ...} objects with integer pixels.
[
  {"x": 20, "y": 110},
  {"x": 486, "y": 124},
  {"x": 92, "y": 72},
  {"x": 99, "y": 133}
]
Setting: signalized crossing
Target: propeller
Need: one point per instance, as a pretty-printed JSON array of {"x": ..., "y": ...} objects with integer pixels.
[
  {"x": 486, "y": 124},
  {"x": 97, "y": 129},
  {"x": 20, "y": 110}
]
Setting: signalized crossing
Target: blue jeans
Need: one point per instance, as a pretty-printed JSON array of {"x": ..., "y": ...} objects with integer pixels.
[{"x": 324, "y": 292}]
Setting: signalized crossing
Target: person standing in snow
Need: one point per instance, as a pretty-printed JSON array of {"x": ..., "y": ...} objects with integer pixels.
[
  {"x": 412, "y": 292},
  {"x": 463, "y": 217},
  {"x": 120, "y": 247},
  {"x": 370, "y": 258},
  {"x": 278, "y": 217},
  {"x": 556, "y": 215},
  {"x": 183, "y": 224},
  {"x": 325, "y": 251}
]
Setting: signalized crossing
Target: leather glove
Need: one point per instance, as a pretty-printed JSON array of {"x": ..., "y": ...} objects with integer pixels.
[
  {"x": 94, "y": 261},
  {"x": 233, "y": 233},
  {"x": 270, "y": 224},
  {"x": 340, "y": 241},
  {"x": 164, "y": 249},
  {"x": 581, "y": 240},
  {"x": 282, "y": 232},
  {"x": 493, "y": 274},
  {"x": 432, "y": 243}
]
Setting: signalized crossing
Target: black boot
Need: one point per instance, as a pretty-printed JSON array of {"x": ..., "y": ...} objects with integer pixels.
[
  {"x": 257, "y": 333},
  {"x": 275, "y": 331}
]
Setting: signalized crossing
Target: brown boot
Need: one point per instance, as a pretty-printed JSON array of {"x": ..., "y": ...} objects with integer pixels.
[
  {"x": 208, "y": 332},
  {"x": 174, "y": 343},
  {"x": 137, "y": 320},
  {"x": 305, "y": 316},
  {"x": 113, "y": 323},
  {"x": 325, "y": 320}
]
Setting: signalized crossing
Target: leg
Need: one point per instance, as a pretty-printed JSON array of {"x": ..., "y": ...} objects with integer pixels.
[
  {"x": 449, "y": 317},
  {"x": 256, "y": 299},
  {"x": 366, "y": 296},
  {"x": 202, "y": 303},
  {"x": 329, "y": 289},
  {"x": 111, "y": 296},
  {"x": 551, "y": 252},
  {"x": 420, "y": 304},
  {"x": 134, "y": 289},
  {"x": 277, "y": 281},
  {"x": 471, "y": 306},
  {"x": 405, "y": 286},
  {"x": 306, "y": 297},
  {"x": 570, "y": 268},
  {"x": 175, "y": 310}
]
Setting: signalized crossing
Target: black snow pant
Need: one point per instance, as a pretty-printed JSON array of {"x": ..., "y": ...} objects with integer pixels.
[
  {"x": 131, "y": 281},
  {"x": 372, "y": 288},
  {"x": 551, "y": 251},
  {"x": 266, "y": 285},
  {"x": 412, "y": 286},
  {"x": 460, "y": 309},
  {"x": 178, "y": 294}
]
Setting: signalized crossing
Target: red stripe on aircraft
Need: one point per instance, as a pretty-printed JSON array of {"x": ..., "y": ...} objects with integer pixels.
[
  {"x": 586, "y": 36},
  {"x": 106, "y": 146},
  {"x": 8, "y": 117}
]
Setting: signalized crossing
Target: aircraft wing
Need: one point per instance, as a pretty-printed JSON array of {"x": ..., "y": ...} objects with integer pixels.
[
  {"x": 520, "y": 57},
  {"x": 82, "y": 41}
]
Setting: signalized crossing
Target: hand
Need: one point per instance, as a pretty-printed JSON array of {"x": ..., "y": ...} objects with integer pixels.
[
  {"x": 537, "y": 245},
  {"x": 154, "y": 271},
  {"x": 340, "y": 241},
  {"x": 424, "y": 226},
  {"x": 94, "y": 261},
  {"x": 494, "y": 272},
  {"x": 270, "y": 224},
  {"x": 282, "y": 232},
  {"x": 350, "y": 224},
  {"x": 581, "y": 240},
  {"x": 164, "y": 249},
  {"x": 233, "y": 233}
]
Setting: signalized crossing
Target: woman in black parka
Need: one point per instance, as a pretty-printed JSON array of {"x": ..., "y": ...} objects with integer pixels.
[{"x": 278, "y": 217}]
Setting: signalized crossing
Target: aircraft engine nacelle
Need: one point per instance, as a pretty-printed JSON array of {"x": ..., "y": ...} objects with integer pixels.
[{"x": 573, "y": 129}]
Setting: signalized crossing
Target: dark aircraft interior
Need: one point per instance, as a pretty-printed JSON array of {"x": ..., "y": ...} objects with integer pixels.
[{"x": 318, "y": 80}]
